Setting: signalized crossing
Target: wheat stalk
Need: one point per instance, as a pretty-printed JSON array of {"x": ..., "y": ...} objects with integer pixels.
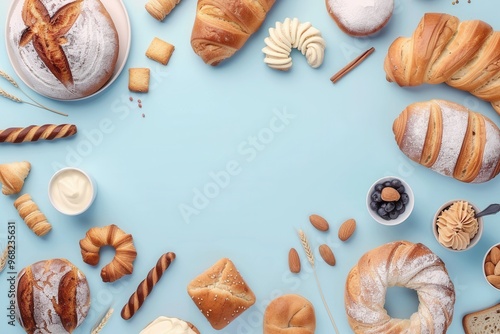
[
  {"x": 103, "y": 322},
  {"x": 16, "y": 99},
  {"x": 310, "y": 258},
  {"x": 3, "y": 258}
]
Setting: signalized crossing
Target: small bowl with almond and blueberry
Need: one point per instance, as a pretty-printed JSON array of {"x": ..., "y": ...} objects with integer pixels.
[{"x": 390, "y": 200}]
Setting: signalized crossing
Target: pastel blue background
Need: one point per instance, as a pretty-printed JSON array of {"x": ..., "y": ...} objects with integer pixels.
[{"x": 197, "y": 120}]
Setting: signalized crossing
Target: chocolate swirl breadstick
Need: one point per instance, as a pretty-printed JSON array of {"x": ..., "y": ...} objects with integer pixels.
[
  {"x": 147, "y": 285},
  {"x": 37, "y": 132}
]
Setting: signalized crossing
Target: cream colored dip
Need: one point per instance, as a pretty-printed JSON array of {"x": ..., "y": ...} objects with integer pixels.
[
  {"x": 457, "y": 225},
  {"x": 164, "y": 325},
  {"x": 71, "y": 191}
]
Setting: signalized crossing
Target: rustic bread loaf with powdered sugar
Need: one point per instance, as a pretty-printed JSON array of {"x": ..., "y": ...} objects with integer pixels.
[
  {"x": 66, "y": 49},
  {"x": 52, "y": 296},
  {"x": 449, "y": 139}
]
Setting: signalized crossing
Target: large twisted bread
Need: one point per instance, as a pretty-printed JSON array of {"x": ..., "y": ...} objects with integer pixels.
[
  {"x": 222, "y": 27},
  {"x": 400, "y": 263},
  {"x": 463, "y": 54},
  {"x": 449, "y": 139},
  {"x": 125, "y": 253}
]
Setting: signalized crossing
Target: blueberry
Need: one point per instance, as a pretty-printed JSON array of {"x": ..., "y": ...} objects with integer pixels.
[
  {"x": 399, "y": 205},
  {"x": 381, "y": 212},
  {"x": 387, "y": 183},
  {"x": 389, "y": 207},
  {"x": 401, "y": 189},
  {"x": 395, "y": 183},
  {"x": 376, "y": 196},
  {"x": 386, "y": 217},
  {"x": 374, "y": 206},
  {"x": 379, "y": 187},
  {"x": 405, "y": 198},
  {"x": 400, "y": 211},
  {"x": 394, "y": 214}
]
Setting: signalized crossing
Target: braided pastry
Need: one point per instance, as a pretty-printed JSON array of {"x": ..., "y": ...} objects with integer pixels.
[
  {"x": 293, "y": 34},
  {"x": 146, "y": 286},
  {"x": 463, "y": 54},
  {"x": 37, "y": 132},
  {"x": 159, "y": 9},
  {"x": 32, "y": 216},
  {"x": 111, "y": 235},
  {"x": 405, "y": 264},
  {"x": 12, "y": 176}
]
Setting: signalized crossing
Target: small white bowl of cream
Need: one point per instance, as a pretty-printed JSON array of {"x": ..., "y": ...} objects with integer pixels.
[{"x": 72, "y": 191}]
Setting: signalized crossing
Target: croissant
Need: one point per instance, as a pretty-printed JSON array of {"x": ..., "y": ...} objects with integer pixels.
[
  {"x": 222, "y": 27},
  {"x": 111, "y": 235},
  {"x": 449, "y": 139},
  {"x": 159, "y": 9},
  {"x": 32, "y": 216},
  {"x": 464, "y": 55},
  {"x": 12, "y": 176}
]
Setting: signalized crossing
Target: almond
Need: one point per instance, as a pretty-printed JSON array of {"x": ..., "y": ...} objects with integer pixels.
[
  {"x": 293, "y": 261},
  {"x": 319, "y": 223},
  {"x": 489, "y": 268},
  {"x": 327, "y": 254},
  {"x": 347, "y": 229},
  {"x": 494, "y": 280},
  {"x": 496, "y": 271},
  {"x": 495, "y": 255},
  {"x": 389, "y": 194}
]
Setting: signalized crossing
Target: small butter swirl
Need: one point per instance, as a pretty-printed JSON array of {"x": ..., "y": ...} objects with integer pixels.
[
  {"x": 457, "y": 225},
  {"x": 164, "y": 325},
  {"x": 293, "y": 34}
]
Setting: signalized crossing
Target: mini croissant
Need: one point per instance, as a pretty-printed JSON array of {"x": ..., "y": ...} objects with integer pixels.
[{"x": 12, "y": 176}]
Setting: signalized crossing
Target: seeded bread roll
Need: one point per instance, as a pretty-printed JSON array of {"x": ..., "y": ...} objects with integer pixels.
[
  {"x": 221, "y": 293},
  {"x": 52, "y": 295}
]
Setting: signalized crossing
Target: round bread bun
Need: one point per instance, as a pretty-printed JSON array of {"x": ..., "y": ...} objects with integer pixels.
[
  {"x": 360, "y": 18},
  {"x": 289, "y": 314},
  {"x": 64, "y": 49},
  {"x": 166, "y": 325},
  {"x": 51, "y": 294},
  {"x": 405, "y": 264}
]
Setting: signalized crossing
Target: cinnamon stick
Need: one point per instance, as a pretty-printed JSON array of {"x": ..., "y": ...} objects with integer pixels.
[{"x": 349, "y": 67}]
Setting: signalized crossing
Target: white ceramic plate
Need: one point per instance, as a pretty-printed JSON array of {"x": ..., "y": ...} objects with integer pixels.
[{"x": 118, "y": 13}]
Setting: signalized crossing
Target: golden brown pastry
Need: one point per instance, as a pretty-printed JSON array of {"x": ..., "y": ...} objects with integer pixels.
[
  {"x": 52, "y": 296},
  {"x": 289, "y": 314},
  {"x": 146, "y": 286},
  {"x": 449, "y": 139},
  {"x": 37, "y": 132},
  {"x": 12, "y": 176},
  {"x": 32, "y": 216},
  {"x": 399, "y": 263},
  {"x": 463, "y": 54},
  {"x": 111, "y": 235},
  {"x": 222, "y": 27},
  {"x": 159, "y": 9},
  {"x": 67, "y": 49},
  {"x": 221, "y": 293}
]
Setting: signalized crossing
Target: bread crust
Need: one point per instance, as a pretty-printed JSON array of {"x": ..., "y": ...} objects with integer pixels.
[
  {"x": 221, "y": 293},
  {"x": 222, "y": 27},
  {"x": 289, "y": 314},
  {"x": 449, "y": 139}
]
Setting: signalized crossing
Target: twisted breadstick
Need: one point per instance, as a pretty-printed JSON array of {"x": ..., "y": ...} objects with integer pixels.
[
  {"x": 37, "y": 132},
  {"x": 32, "y": 216},
  {"x": 147, "y": 285},
  {"x": 463, "y": 54},
  {"x": 111, "y": 235},
  {"x": 159, "y": 9},
  {"x": 12, "y": 176}
]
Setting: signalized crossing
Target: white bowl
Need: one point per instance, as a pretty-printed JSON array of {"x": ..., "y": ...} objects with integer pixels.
[
  {"x": 72, "y": 191},
  {"x": 473, "y": 241},
  {"x": 484, "y": 262},
  {"x": 408, "y": 208}
]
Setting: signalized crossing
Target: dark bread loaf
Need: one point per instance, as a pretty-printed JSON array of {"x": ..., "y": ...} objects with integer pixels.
[
  {"x": 67, "y": 49},
  {"x": 51, "y": 294}
]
